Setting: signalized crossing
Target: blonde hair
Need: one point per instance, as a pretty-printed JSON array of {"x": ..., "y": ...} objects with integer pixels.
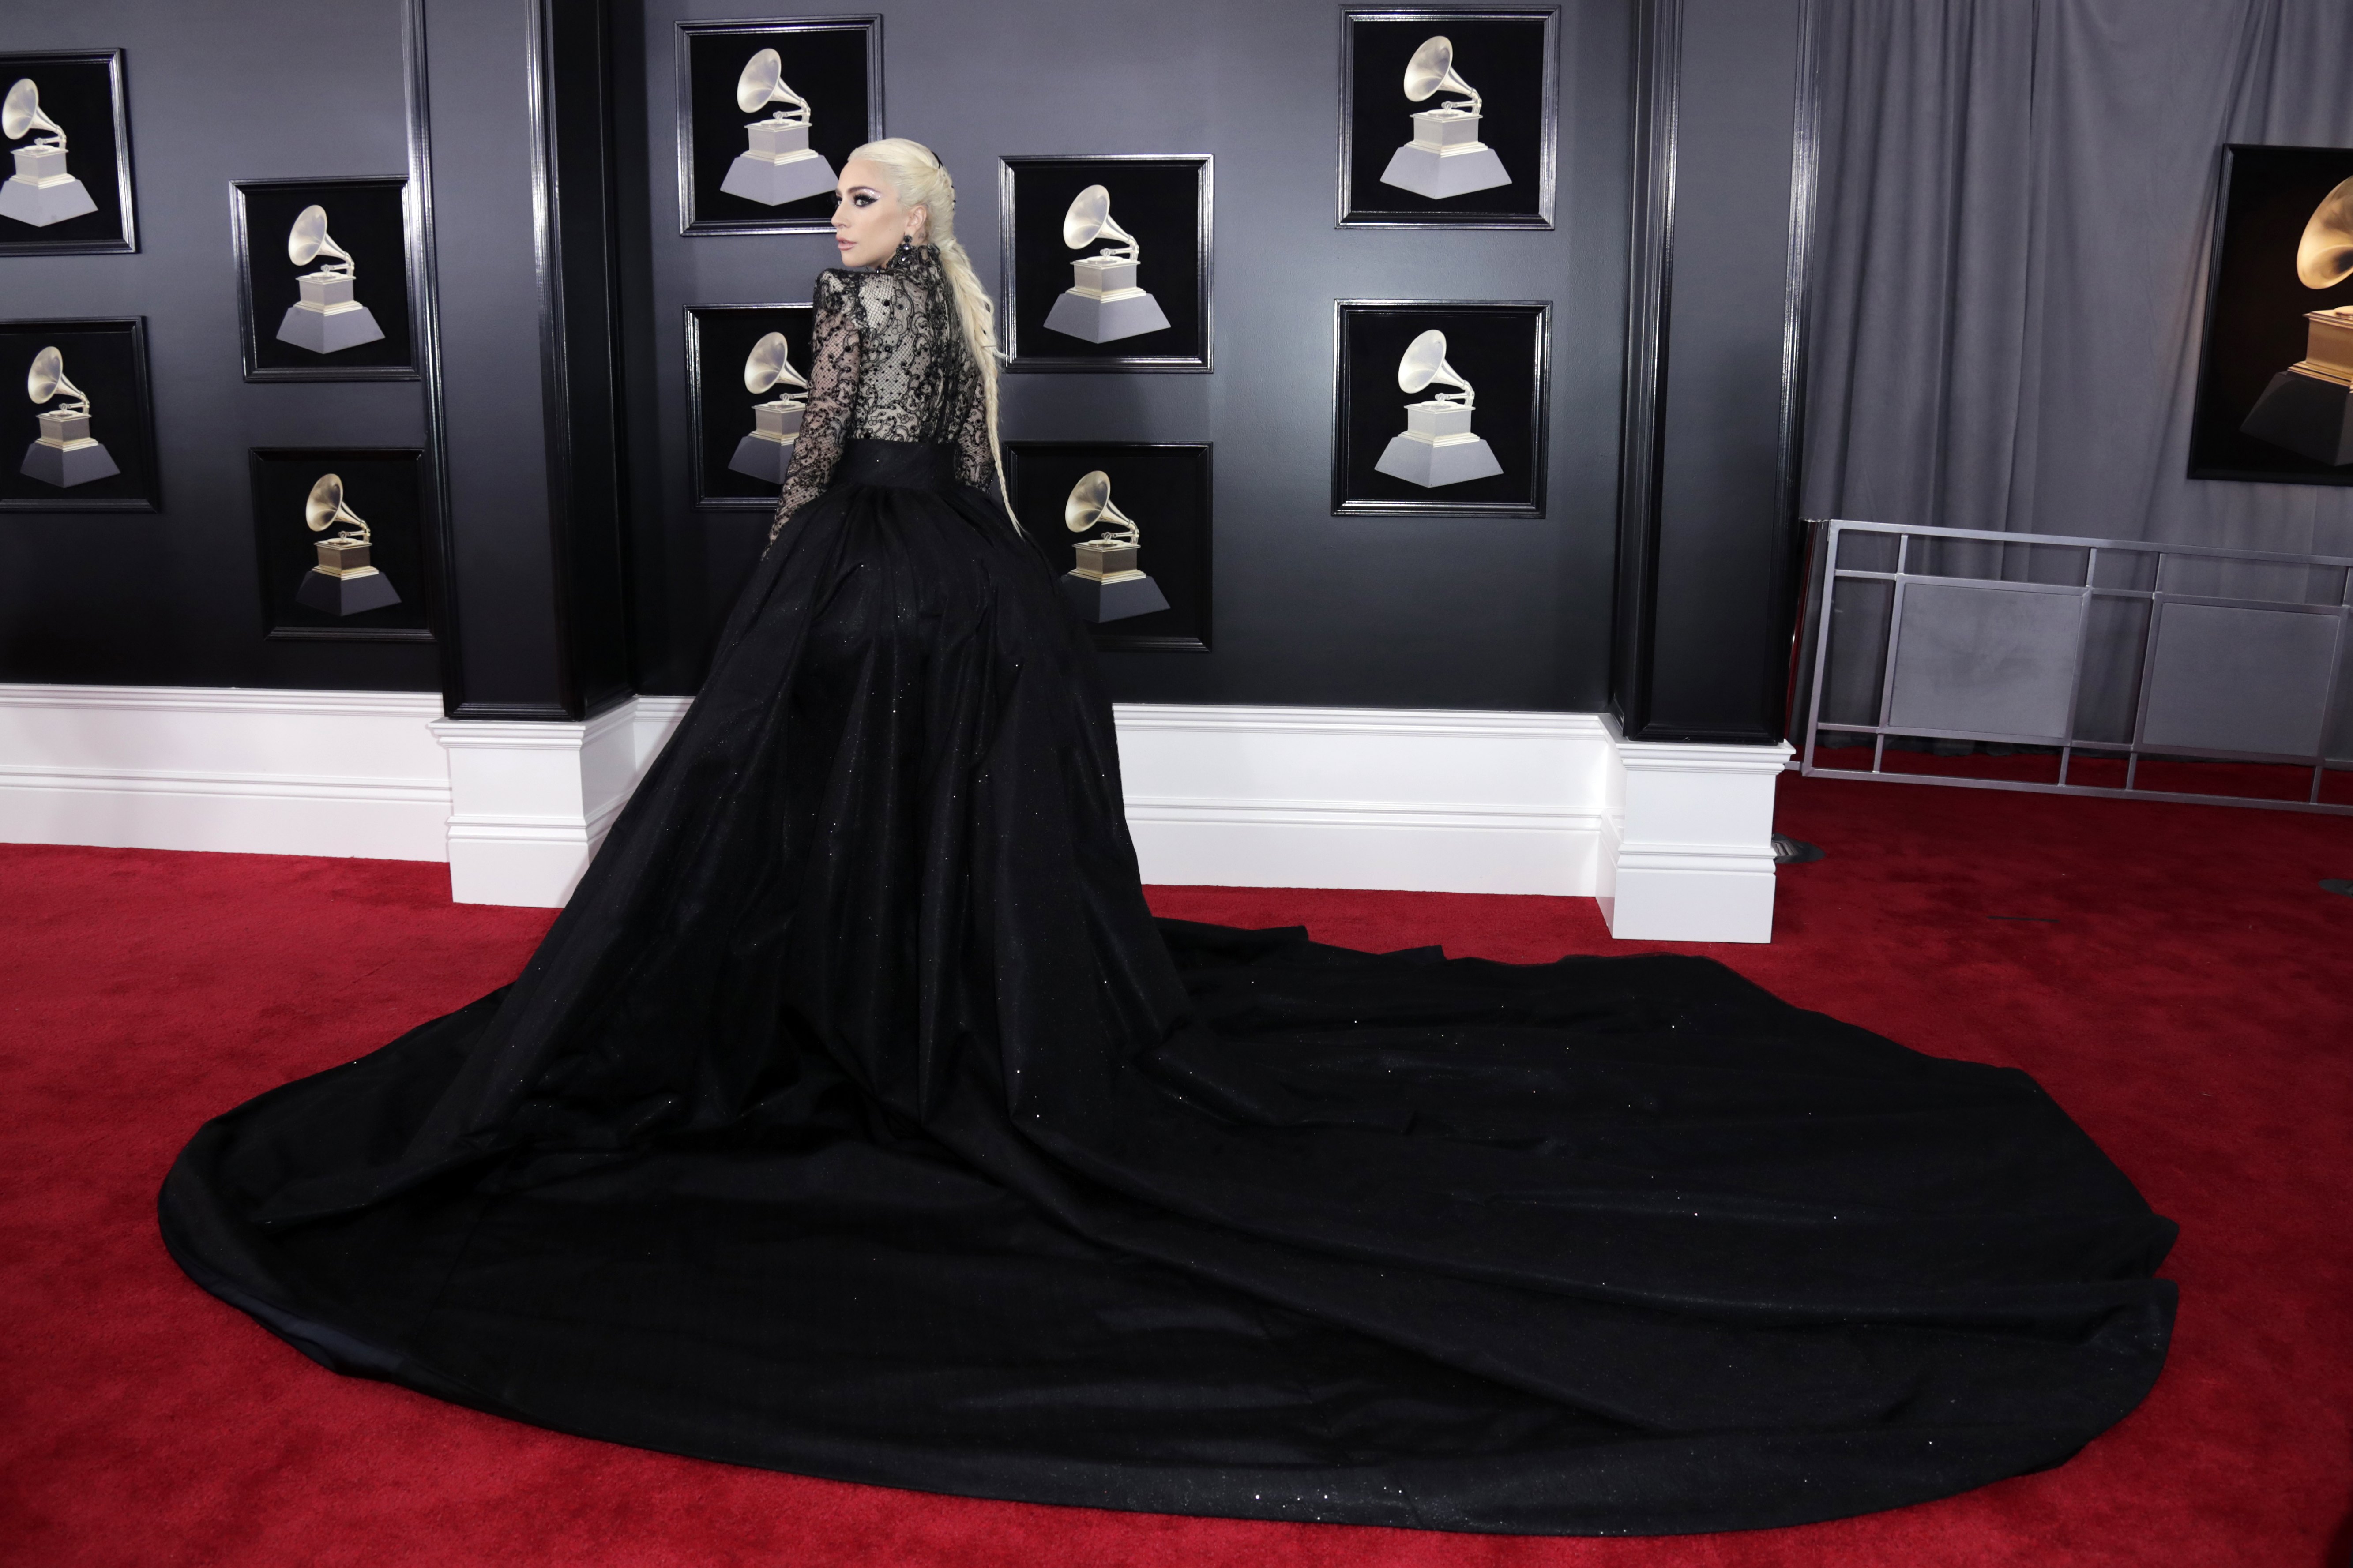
[{"x": 920, "y": 180}]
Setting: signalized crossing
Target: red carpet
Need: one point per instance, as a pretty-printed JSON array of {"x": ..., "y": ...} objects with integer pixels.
[{"x": 2171, "y": 973}]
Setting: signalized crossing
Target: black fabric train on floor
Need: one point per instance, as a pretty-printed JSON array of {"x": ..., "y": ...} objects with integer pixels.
[{"x": 857, "y": 1118}]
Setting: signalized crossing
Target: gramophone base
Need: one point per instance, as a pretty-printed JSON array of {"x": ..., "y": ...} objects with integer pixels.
[
  {"x": 2309, "y": 417},
  {"x": 44, "y": 201},
  {"x": 772, "y": 182},
  {"x": 1093, "y": 599},
  {"x": 333, "y": 595},
  {"x": 1107, "y": 318},
  {"x": 1427, "y": 171},
  {"x": 330, "y": 331},
  {"x": 66, "y": 466},
  {"x": 762, "y": 457},
  {"x": 1447, "y": 461}
]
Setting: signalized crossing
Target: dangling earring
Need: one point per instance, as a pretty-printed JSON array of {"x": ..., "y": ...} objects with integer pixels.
[{"x": 907, "y": 246}]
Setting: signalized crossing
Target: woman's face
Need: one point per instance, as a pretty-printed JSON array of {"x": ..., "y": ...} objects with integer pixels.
[{"x": 870, "y": 222}]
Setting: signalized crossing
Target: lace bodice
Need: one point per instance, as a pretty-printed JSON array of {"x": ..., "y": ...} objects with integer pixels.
[{"x": 888, "y": 362}]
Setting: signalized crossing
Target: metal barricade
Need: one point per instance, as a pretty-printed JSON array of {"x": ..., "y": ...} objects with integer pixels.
[{"x": 2115, "y": 663}]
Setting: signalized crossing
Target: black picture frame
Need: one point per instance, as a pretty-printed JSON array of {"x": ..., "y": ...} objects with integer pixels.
[
  {"x": 106, "y": 357},
  {"x": 2255, "y": 305},
  {"x": 84, "y": 92},
  {"x": 834, "y": 62},
  {"x": 718, "y": 407},
  {"x": 386, "y": 485},
  {"x": 1167, "y": 201},
  {"x": 1168, "y": 487},
  {"x": 372, "y": 217},
  {"x": 1503, "y": 347},
  {"x": 1510, "y": 54}
]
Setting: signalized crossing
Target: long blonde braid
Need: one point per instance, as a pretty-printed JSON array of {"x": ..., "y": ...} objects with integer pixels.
[{"x": 920, "y": 180}]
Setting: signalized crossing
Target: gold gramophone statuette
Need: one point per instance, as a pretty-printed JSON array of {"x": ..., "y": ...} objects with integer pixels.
[
  {"x": 345, "y": 581},
  {"x": 1107, "y": 583}
]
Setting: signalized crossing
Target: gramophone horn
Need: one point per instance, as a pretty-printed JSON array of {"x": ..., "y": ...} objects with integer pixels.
[
  {"x": 1090, "y": 503},
  {"x": 2324, "y": 258},
  {"x": 762, "y": 83},
  {"x": 1431, "y": 70},
  {"x": 769, "y": 362},
  {"x": 21, "y": 113},
  {"x": 308, "y": 240},
  {"x": 325, "y": 507},
  {"x": 1089, "y": 220},
  {"x": 46, "y": 379},
  {"x": 1425, "y": 361}
]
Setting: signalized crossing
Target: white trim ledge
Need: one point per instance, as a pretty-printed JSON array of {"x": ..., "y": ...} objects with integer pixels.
[
  {"x": 1687, "y": 836},
  {"x": 1675, "y": 841},
  {"x": 530, "y": 801}
]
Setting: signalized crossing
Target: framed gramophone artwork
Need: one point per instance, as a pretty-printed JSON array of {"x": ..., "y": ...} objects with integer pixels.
[
  {"x": 746, "y": 380},
  {"x": 77, "y": 416},
  {"x": 2275, "y": 400},
  {"x": 340, "y": 538},
  {"x": 1448, "y": 119},
  {"x": 66, "y": 125},
  {"x": 1126, "y": 526},
  {"x": 1439, "y": 407},
  {"x": 767, "y": 113},
  {"x": 325, "y": 271},
  {"x": 1104, "y": 261}
]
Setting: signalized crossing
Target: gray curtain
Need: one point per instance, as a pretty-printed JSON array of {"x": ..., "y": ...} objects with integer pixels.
[{"x": 2015, "y": 207}]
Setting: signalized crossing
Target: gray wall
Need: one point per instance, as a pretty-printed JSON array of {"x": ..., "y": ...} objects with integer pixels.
[
  {"x": 227, "y": 89},
  {"x": 1310, "y": 609}
]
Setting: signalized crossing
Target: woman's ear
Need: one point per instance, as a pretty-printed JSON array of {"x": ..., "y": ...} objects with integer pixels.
[{"x": 919, "y": 222}]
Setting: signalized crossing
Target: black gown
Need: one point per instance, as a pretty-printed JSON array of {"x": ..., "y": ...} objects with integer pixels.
[{"x": 857, "y": 1118}]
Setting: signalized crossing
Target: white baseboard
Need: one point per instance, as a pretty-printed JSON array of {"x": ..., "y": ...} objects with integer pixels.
[
  {"x": 1687, "y": 840},
  {"x": 1423, "y": 800},
  {"x": 531, "y": 801},
  {"x": 1674, "y": 840},
  {"x": 259, "y": 772}
]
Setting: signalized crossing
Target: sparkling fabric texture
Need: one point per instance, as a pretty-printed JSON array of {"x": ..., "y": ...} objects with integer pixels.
[
  {"x": 888, "y": 362},
  {"x": 856, "y": 1118}
]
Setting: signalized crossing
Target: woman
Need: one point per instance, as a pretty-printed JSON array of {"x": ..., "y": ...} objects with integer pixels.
[{"x": 857, "y": 1118}]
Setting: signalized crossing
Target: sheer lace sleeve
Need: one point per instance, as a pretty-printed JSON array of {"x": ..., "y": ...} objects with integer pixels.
[
  {"x": 975, "y": 461},
  {"x": 832, "y": 393}
]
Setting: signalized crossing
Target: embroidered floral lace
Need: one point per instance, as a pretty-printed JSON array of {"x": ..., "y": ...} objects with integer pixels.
[{"x": 888, "y": 362}]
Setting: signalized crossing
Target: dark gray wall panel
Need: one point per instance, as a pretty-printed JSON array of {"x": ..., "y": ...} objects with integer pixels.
[
  {"x": 1721, "y": 528},
  {"x": 483, "y": 138},
  {"x": 228, "y": 89},
  {"x": 1310, "y": 609}
]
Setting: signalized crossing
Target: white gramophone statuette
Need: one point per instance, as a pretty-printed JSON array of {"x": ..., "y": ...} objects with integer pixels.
[
  {"x": 1437, "y": 447},
  {"x": 779, "y": 166},
  {"x": 344, "y": 582},
  {"x": 1103, "y": 303},
  {"x": 1445, "y": 157},
  {"x": 40, "y": 193},
  {"x": 326, "y": 320},
  {"x": 2308, "y": 407},
  {"x": 64, "y": 454},
  {"x": 1107, "y": 584},
  {"x": 776, "y": 424}
]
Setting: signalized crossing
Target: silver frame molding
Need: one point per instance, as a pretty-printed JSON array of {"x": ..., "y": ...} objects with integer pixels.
[
  {"x": 249, "y": 326},
  {"x": 1548, "y": 112},
  {"x": 690, "y": 316},
  {"x": 255, "y": 456},
  {"x": 1204, "y": 223},
  {"x": 1114, "y": 642},
  {"x": 1539, "y": 415},
  {"x": 152, "y": 502},
  {"x": 129, "y": 240},
  {"x": 688, "y": 222}
]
